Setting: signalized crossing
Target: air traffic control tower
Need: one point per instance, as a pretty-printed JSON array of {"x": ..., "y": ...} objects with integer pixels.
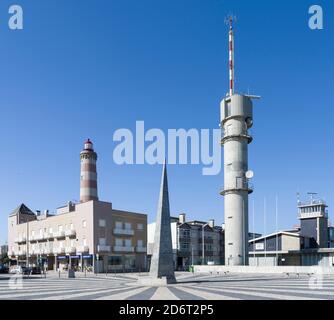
[{"x": 236, "y": 120}]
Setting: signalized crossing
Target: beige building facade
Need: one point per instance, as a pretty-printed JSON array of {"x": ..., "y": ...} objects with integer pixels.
[{"x": 89, "y": 235}]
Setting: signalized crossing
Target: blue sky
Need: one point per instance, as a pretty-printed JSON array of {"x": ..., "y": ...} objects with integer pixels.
[{"x": 86, "y": 68}]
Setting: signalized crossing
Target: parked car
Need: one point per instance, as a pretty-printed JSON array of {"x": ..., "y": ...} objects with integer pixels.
[
  {"x": 36, "y": 270},
  {"x": 15, "y": 270},
  {"x": 26, "y": 271},
  {"x": 3, "y": 269},
  {"x": 20, "y": 270}
]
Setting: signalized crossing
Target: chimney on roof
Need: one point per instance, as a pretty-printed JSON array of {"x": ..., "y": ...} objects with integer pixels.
[
  {"x": 211, "y": 223},
  {"x": 182, "y": 218}
]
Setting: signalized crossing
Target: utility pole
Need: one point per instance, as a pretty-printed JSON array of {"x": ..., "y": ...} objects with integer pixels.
[
  {"x": 276, "y": 230},
  {"x": 27, "y": 239},
  {"x": 254, "y": 230},
  {"x": 265, "y": 237},
  {"x": 203, "y": 244}
]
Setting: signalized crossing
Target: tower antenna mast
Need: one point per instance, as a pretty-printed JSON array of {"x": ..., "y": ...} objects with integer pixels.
[{"x": 230, "y": 20}]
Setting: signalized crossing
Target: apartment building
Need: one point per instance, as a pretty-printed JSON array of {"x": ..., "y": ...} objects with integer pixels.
[
  {"x": 87, "y": 235},
  {"x": 4, "y": 249},
  {"x": 188, "y": 242}
]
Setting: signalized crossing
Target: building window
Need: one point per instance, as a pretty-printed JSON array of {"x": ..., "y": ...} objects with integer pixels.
[
  {"x": 119, "y": 225},
  {"x": 102, "y": 241},
  {"x": 71, "y": 226},
  {"x": 60, "y": 228},
  {"x": 127, "y": 226},
  {"x": 185, "y": 233},
  {"x": 84, "y": 241},
  {"x": 102, "y": 223},
  {"x": 119, "y": 242},
  {"x": 84, "y": 223},
  {"x": 129, "y": 262},
  {"x": 128, "y": 243},
  {"x": 50, "y": 230},
  {"x": 184, "y": 246},
  {"x": 140, "y": 243},
  {"x": 115, "y": 260},
  {"x": 140, "y": 226}
]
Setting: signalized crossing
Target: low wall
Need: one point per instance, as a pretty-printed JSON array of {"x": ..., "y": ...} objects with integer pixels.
[{"x": 269, "y": 270}]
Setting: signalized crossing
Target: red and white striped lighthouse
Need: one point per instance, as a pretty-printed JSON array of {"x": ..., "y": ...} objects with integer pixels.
[{"x": 88, "y": 178}]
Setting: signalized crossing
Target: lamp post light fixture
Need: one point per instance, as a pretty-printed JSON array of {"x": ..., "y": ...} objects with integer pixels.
[{"x": 203, "y": 244}]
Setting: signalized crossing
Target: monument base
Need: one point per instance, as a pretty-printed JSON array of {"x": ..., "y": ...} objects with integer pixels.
[{"x": 156, "y": 282}]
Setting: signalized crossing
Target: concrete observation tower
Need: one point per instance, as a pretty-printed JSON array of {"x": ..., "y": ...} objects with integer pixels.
[{"x": 236, "y": 120}]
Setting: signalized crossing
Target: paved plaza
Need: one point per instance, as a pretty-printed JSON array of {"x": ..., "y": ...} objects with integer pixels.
[{"x": 189, "y": 287}]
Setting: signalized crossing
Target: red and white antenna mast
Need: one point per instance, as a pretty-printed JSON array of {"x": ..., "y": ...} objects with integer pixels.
[{"x": 230, "y": 21}]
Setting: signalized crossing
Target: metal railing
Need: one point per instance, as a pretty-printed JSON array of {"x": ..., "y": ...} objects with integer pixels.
[
  {"x": 313, "y": 202},
  {"x": 129, "y": 232},
  {"x": 240, "y": 185},
  {"x": 103, "y": 248},
  {"x": 70, "y": 233},
  {"x": 124, "y": 249}
]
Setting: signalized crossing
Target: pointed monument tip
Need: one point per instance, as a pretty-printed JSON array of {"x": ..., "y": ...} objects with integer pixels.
[{"x": 164, "y": 166}]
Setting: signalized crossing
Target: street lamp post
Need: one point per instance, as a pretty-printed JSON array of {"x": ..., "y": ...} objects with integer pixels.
[
  {"x": 27, "y": 249},
  {"x": 203, "y": 244}
]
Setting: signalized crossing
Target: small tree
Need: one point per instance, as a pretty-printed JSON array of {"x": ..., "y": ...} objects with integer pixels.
[{"x": 4, "y": 259}]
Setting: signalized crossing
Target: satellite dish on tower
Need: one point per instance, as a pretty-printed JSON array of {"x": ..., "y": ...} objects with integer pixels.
[{"x": 249, "y": 174}]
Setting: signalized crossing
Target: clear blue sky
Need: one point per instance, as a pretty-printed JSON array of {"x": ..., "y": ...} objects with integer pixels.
[{"x": 85, "y": 68}]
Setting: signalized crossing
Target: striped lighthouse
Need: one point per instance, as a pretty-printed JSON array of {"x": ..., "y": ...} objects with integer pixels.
[{"x": 88, "y": 178}]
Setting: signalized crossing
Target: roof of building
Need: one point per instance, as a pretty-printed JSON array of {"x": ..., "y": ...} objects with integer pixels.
[
  {"x": 22, "y": 209},
  {"x": 287, "y": 233}
]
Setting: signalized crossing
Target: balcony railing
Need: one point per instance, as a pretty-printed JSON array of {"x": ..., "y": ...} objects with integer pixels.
[
  {"x": 103, "y": 248},
  {"x": 123, "y": 249},
  {"x": 70, "y": 250},
  {"x": 206, "y": 241},
  {"x": 83, "y": 249},
  {"x": 40, "y": 237},
  {"x": 59, "y": 234},
  {"x": 49, "y": 235},
  {"x": 313, "y": 202},
  {"x": 21, "y": 253},
  {"x": 70, "y": 233},
  {"x": 60, "y": 250},
  {"x": 141, "y": 249},
  {"x": 244, "y": 133},
  {"x": 128, "y": 232},
  {"x": 48, "y": 251},
  {"x": 20, "y": 240},
  {"x": 243, "y": 185}
]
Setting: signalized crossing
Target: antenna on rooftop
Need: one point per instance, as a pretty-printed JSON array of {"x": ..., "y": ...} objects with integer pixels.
[
  {"x": 229, "y": 20},
  {"x": 312, "y": 194}
]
